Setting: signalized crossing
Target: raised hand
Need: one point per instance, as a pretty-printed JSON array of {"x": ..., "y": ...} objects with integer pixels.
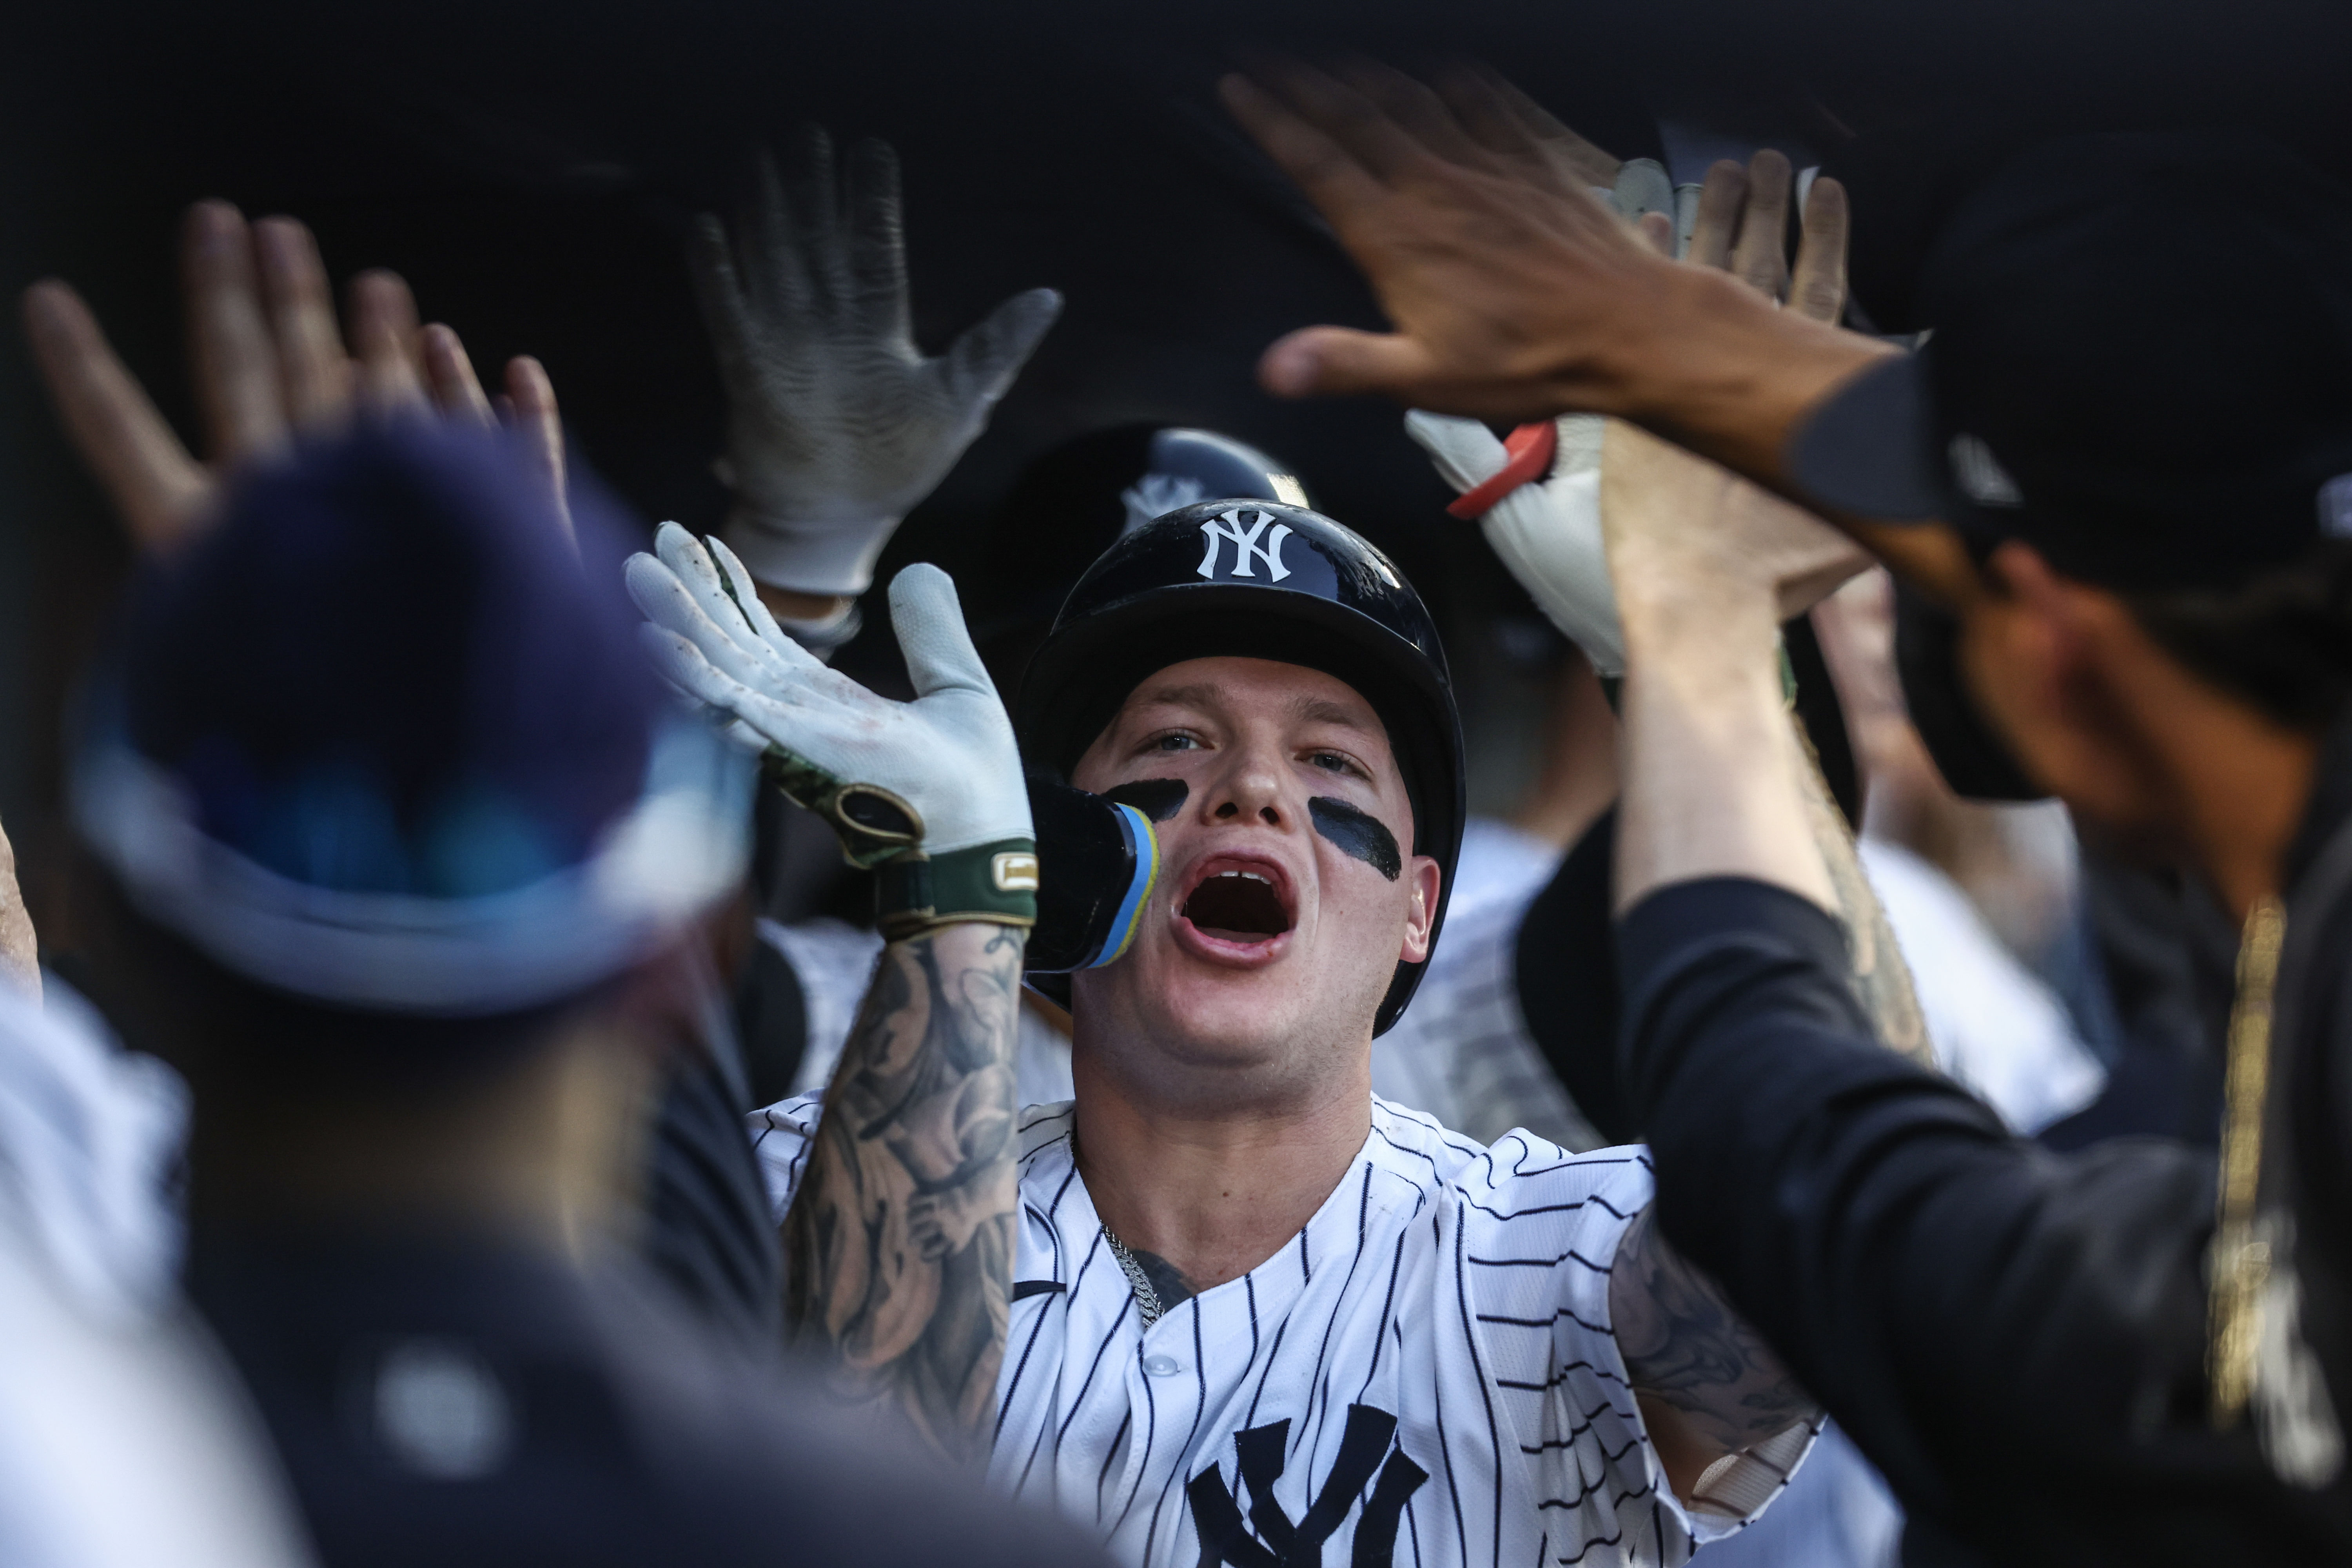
[
  {"x": 271, "y": 361},
  {"x": 898, "y": 1246},
  {"x": 949, "y": 757},
  {"x": 1513, "y": 292},
  {"x": 836, "y": 425},
  {"x": 1548, "y": 531}
]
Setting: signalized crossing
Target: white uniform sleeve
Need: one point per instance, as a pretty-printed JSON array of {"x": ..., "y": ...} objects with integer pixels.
[
  {"x": 1548, "y": 1233},
  {"x": 780, "y": 1135}
]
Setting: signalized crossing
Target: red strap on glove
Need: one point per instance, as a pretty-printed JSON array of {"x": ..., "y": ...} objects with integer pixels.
[{"x": 1531, "y": 449}]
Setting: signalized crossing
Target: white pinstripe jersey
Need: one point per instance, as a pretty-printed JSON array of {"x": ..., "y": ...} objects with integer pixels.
[{"x": 1424, "y": 1375}]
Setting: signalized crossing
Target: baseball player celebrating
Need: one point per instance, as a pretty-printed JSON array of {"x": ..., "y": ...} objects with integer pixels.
[{"x": 1225, "y": 1305}]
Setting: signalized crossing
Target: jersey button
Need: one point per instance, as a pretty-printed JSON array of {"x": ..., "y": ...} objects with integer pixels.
[{"x": 1160, "y": 1366}]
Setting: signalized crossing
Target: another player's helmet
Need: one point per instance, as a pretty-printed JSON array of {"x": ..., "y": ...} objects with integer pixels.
[{"x": 1253, "y": 579}]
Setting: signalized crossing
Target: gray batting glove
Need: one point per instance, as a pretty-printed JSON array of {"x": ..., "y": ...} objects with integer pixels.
[{"x": 836, "y": 425}]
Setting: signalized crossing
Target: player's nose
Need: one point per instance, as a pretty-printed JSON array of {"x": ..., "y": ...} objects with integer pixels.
[{"x": 1250, "y": 787}]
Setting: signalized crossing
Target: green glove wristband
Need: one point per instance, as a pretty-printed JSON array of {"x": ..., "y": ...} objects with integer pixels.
[{"x": 915, "y": 892}]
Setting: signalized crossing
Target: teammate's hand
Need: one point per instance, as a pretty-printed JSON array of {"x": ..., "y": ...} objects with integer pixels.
[
  {"x": 836, "y": 425},
  {"x": 1706, "y": 521},
  {"x": 1688, "y": 539},
  {"x": 1508, "y": 283},
  {"x": 1549, "y": 533},
  {"x": 950, "y": 754},
  {"x": 270, "y": 363}
]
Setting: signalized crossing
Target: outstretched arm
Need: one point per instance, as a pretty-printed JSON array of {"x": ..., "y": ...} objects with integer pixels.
[{"x": 898, "y": 1244}]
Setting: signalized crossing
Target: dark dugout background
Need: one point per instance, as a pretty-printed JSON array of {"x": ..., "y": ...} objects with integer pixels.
[{"x": 530, "y": 166}]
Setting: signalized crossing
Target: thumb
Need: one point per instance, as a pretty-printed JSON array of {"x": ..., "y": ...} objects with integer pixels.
[
  {"x": 982, "y": 363},
  {"x": 1337, "y": 362},
  {"x": 1464, "y": 450},
  {"x": 932, "y": 635}
]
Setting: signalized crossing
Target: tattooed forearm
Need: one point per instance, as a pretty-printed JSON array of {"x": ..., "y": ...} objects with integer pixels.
[
  {"x": 898, "y": 1246},
  {"x": 1684, "y": 1346},
  {"x": 1881, "y": 980}
]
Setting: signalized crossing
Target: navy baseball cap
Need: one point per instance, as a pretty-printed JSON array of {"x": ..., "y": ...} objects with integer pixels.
[
  {"x": 2139, "y": 362},
  {"x": 384, "y": 737}
]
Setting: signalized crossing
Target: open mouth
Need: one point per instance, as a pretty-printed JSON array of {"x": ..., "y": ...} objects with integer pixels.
[{"x": 1237, "y": 902}]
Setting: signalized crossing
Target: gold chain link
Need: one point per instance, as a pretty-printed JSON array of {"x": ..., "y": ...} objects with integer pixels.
[{"x": 2240, "y": 1264}]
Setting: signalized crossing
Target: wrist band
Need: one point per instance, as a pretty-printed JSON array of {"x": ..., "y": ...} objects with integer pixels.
[
  {"x": 1531, "y": 449},
  {"x": 997, "y": 883}
]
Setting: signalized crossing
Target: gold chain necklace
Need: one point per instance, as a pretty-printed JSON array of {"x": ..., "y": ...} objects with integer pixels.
[{"x": 2239, "y": 1263}]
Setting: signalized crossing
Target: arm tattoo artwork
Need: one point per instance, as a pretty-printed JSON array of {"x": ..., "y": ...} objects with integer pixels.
[
  {"x": 898, "y": 1246},
  {"x": 1684, "y": 1344},
  {"x": 1881, "y": 980}
]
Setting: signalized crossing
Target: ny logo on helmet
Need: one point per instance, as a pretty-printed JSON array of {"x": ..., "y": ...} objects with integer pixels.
[{"x": 1228, "y": 525}]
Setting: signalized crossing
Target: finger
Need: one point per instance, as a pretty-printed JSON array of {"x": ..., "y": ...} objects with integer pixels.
[
  {"x": 531, "y": 413},
  {"x": 1642, "y": 188},
  {"x": 812, "y": 200},
  {"x": 1658, "y": 231},
  {"x": 687, "y": 557},
  {"x": 311, "y": 365},
  {"x": 1340, "y": 188},
  {"x": 450, "y": 380},
  {"x": 745, "y": 591},
  {"x": 932, "y": 635},
  {"x": 1377, "y": 143},
  {"x": 878, "y": 250},
  {"x": 677, "y": 660},
  {"x": 146, "y": 472},
  {"x": 1760, "y": 256},
  {"x": 1465, "y": 452},
  {"x": 385, "y": 341},
  {"x": 1686, "y": 218},
  {"x": 1817, "y": 288},
  {"x": 670, "y": 599},
  {"x": 1578, "y": 160},
  {"x": 982, "y": 363},
  {"x": 1716, "y": 226},
  {"x": 726, "y": 317},
  {"x": 228, "y": 336},
  {"x": 1328, "y": 361},
  {"x": 1421, "y": 112},
  {"x": 771, "y": 262},
  {"x": 1480, "y": 110}
]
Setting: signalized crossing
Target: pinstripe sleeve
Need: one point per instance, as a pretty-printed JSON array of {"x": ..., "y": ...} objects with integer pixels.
[{"x": 780, "y": 1137}]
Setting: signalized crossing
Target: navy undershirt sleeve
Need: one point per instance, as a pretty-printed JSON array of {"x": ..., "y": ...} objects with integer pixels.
[{"x": 2015, "y": 1337}]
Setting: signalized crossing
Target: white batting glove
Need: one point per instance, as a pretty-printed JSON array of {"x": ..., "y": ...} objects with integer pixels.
[
  {"x": 948, "y": 759},
  {"x": 1547, "y": 533},
  {"x": 836, "y": 425}
]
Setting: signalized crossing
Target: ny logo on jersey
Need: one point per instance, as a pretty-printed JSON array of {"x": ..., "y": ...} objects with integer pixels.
[
  {"x": 1228, "y": 525},
  {"x": 1226, "y": 1536}
]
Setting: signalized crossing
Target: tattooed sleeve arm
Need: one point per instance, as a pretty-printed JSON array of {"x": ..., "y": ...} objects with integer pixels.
[
  {"x": 1708, "y": 1383},
  {"x": 898, "y": 1244}
]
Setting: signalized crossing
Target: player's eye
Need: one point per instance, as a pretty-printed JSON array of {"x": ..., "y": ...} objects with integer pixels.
[
  {"x": 1175, "y": 741},
  {"x": 1335, "y": 762}
]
